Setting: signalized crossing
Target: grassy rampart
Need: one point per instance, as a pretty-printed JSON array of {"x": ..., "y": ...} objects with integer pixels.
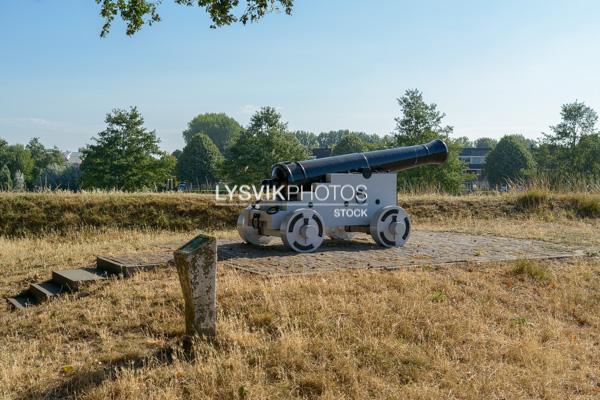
[{"x": 34, "y": 213}]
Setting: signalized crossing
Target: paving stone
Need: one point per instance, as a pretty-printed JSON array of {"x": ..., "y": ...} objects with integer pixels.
[
  {"x": 45, "y": 291},
  {"x": 422, "y": 248},
  {"x": 74, "y": 279},
  {"x": 21, "y": 301},
  {"x": 130, "y": 264}
]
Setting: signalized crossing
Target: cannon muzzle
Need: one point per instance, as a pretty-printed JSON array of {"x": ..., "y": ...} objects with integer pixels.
[{"x": 396, "y": 159}]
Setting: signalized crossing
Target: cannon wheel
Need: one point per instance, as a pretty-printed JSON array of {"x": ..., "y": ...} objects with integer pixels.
[
  {"x": 302, "y": 230},
  {"x": 390, "y": 226},
  {"x": 248, "y": 233}
]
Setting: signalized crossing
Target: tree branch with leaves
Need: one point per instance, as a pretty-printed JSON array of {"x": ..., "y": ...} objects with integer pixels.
[{"x": 137, "y": 13}]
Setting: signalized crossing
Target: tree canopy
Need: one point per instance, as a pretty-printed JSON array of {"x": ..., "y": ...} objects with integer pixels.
[
  {"x": 420, "y": 123},
  {"x": 42, "y": 159},
  {"x": 31, "y": 162},
  {"x": 19, "y": 162},
  {"x": 126, "y": 155},
  {"x": 464, "y": 141},
  {"x": 509, "y": 161},
  {"x": 200, "y": 161},
  {"x": 485, "y": 143},
  {"x": 6, "y": 181},
  {"x": 307, "y": 139},
  {"x": 578, "y": 120},
  {"x": 137, "y": 13},
  {"x": 571, "y": 148},
  {"x": 219, "y": 127},
  {"x": 331, "y": 138},
  {"x": 265, "y": 142},
  {"x": 350, "y": 143}
]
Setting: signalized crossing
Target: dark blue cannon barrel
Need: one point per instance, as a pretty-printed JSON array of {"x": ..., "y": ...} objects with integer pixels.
[{"x": 396, "y": 159}]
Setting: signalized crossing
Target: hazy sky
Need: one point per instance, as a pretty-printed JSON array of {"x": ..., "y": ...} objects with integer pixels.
[{"x": 494, "y": 67}]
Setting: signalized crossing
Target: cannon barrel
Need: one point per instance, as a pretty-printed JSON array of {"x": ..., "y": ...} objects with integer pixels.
[{"x": 396, "y": 159}]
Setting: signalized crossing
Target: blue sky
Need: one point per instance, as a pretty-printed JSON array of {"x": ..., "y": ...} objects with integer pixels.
[{"x": 494, "y": 67}]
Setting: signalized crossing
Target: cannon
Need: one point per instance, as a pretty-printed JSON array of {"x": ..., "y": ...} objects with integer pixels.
[{"x": 336, "y": 196}]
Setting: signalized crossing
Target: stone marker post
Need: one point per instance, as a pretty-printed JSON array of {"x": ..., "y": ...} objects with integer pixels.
[{"x": 196, "y": 263}]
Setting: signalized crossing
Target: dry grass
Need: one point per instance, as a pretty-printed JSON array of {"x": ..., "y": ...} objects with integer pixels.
[
  {"x": 575, "y": 232},
  {"x": 466, "y": 332}
]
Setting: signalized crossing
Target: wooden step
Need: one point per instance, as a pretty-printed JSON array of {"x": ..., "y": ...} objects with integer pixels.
[
  {"x": 21, "y": 301},
  {"x": 74, "y": 279},
  {"x": 45, "y": 291}
]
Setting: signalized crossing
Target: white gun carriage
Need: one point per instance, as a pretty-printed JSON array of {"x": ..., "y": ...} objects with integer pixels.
[{"x": 336, "y": 196}]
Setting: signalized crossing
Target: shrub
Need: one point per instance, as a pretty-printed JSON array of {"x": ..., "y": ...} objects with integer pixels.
[
  {"x": 587, "y": 206},
  {"x": 532, "y": 199},
  {"x": 532, "y": 270}
]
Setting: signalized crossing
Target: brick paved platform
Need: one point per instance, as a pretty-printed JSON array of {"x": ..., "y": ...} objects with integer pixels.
[{"x": 423, "y": 248}]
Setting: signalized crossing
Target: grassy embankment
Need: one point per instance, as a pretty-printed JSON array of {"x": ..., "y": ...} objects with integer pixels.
[
  {"x": 34, "y": 213},
  {"x": 508, "y": 330}
]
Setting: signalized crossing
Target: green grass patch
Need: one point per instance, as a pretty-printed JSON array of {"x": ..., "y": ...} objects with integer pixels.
[
  {"x": 587, "y": 206},
  {"x": 532, "y": 199},
  {"x": 438, "y": 296},
  {"x": 532, "y": 270}
]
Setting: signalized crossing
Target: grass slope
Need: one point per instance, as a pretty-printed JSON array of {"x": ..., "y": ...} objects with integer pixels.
[{"x": 34, "y": 213}]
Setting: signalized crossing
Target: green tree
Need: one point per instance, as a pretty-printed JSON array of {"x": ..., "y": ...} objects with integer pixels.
[
  {"x": 18, "y": 158},
  {"x": 385, "y": 142},
  {"x": 509, "y": 161},
  {"x": 70, "y": 178},
  {"x": 3, "y": 146},
  {"x": 420, "y": 123},
  {"x": 587, "y": 156},
  {"x": 220, "y": 127},
  {"x": 200, "y": 161},
  {"x": 528, "y": 143},
  {"x": 61, "y": 176},
  {"x": 350, "y": 143},
  {"x": 42, "y": 158},
  {"x": 265, "y": 142},
  {"x": 126, "y": 155},
  {"x": 3, "y": 152},
  {"x": 137, "y": 13},
  {"x": 568, "y": 150},
  {"x": 464, "y": 141},
  {"x": 485, "y": 143},
  {"x": 331, "y": 138},
  {"x": 176, "y": 154},
  {"x": 53, "y": 174},
  {"x": 578, "y": 120},
  {"x": 19, "y": 181},
  {"x": 6, "y": 183},
  {"x": 307, "y": 139}
]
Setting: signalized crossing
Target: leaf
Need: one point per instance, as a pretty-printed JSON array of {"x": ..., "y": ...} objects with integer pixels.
[{"x": 67, "y": 369}]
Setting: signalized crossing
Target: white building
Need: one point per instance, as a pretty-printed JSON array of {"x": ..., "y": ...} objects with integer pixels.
[{"x": 72, "y": 157}]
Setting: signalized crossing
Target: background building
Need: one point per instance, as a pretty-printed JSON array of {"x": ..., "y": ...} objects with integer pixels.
[
  {"x": 474, "y": 157},
  {"x": 72, "y": 157}
]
